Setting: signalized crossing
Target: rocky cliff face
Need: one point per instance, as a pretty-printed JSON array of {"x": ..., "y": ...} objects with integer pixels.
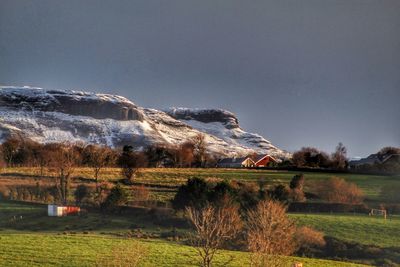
[
  {"x": 59, "y": 115},
  {"x": 98, "y": 106},
  {"x": 205, "y": 115}
]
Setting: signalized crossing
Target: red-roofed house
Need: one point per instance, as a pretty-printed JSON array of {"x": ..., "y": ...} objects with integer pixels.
[{"x": 264, "y": 160}]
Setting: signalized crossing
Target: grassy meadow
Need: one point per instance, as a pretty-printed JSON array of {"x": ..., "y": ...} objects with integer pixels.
[
  {"x": 163, "y": 181},
  {"x": 90, "y": 250},
  {"x": 29, "y": 238}
]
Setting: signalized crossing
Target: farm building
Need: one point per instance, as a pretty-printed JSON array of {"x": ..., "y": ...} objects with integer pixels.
[
  {"x": 58, "y": 211},
  {"x": 264, "y": 160},
  {"x": 244, "y": 162}
]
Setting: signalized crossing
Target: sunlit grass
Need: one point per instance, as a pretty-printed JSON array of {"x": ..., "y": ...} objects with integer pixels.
[
  {"x": 172, "y": 177},
  {"x": 84, "y": 250}
]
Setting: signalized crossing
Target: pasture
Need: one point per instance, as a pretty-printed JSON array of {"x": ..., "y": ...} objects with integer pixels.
[
  {"x": 163, "y": 181},
  {"x": 88, "y": 250},
  {"x": 29, "y": 238}
]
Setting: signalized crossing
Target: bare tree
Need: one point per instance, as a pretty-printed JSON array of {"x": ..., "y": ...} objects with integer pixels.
[
  {"x": 214, "y": 225},
  {"x": 339, "y": 157},
  {"x": 98, "y": 157},
  {"x": 9, "y": 149},
  {"x": 199, "y": 149},
  {"x": 63, "y": 159},
  {"x": 186, "y": 154},
  {"x": 269, "y": 234},
  {"x": 130, "y": 162}
]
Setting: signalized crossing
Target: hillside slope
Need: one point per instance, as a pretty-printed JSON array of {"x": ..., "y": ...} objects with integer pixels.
[{"x": 64, "y": 115}]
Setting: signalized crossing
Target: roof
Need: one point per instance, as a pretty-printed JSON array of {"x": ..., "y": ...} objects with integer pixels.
[
  {"x": 261, "y": 157},
  {"x": 232, "y": 160}
]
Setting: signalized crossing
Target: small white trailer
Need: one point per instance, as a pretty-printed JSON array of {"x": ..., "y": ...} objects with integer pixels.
[
  {"x": 55, "y": 210},
  {"x": 58, "y": 211}
]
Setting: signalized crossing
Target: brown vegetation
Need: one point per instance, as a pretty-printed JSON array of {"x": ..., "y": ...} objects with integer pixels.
[
  {"x": 337, "y": 190},
  {"x": 269, "y": 233},
  {"x": 214, "y": 225},
  {"x": 307, "y": 238}
]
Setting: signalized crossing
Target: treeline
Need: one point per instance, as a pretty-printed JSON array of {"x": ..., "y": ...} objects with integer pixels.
[
  {"x": 310, "y": 157},
  {"x": 386, "y": 161},
  {"x": 18, "y": 152}
]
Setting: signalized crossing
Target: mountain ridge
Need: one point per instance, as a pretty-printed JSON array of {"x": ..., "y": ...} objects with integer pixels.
[{"x": 48, "y": 115}]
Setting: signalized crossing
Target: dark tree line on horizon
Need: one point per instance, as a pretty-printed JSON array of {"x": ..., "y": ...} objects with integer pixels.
[{"x": 193, "y": 153}]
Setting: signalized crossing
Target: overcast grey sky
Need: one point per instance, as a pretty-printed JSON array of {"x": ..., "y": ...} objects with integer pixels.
[{"x": 300, "y": 73}]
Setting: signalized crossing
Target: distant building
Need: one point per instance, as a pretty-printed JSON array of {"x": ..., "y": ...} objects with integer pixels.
[
  {"x": 59, "y": 211},
  {"x": 264, "y": 160},
  {"x": 244, "y": 162}
]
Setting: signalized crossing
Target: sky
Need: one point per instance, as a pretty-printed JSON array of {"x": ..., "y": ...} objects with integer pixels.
[{"x": 300, "y": 73}]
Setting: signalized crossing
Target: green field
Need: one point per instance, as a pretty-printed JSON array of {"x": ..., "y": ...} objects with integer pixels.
[
  {"x": 164, "y": 178},
  {"x": 28, "y": 237},
  {"x": 36, "y": 239},
  {"x": 362, "y": 229},
  {"x": 86, "y": 250}
]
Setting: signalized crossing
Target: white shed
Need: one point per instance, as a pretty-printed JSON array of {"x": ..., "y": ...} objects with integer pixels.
[{"x": 54, "y": 210}]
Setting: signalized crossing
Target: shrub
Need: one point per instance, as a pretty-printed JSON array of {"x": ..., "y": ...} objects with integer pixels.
[
  {"x": 194, "y": 193},
  {"x": 220, "y": 191},
  {"x": 118, "y": 196},
  {"x": 269, "y": 233},
  {"x": 307, "y": 238},
  {"x": 280, "y": 193},
  {"x": 337, "y": 190},
  {"x": 297, "y": 182},
  {"x": 296, "y": 188}
]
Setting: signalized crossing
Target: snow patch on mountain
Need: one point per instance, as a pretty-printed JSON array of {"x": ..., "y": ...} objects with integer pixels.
[{"x": 76, "y": 116}]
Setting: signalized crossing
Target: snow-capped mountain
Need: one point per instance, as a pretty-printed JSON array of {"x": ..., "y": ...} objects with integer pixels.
[{"x": 65, "y": 115}]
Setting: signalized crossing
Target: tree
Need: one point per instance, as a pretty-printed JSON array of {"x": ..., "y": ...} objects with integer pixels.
[
  {"x": 10, "y": 148},
  {"x": 199, "y": 150},
  {"x": 311, "y": 157},
  {"x": 41, "y": 157},
  {"x": 130, "y": 162},
  {"x": 160, "y": 156},
  {"x": 214, "y": 226},
  {"x": 185, "y": 154},
  {"x": 269, "y": 233},
  {"x": 98, "y": 157},
  {"x": 63, "y": 159},
  {"x": 339, "y": 157}
]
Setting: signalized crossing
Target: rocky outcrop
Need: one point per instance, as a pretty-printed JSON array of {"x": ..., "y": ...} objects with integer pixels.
[
  {"x": 98, "y": 106},
  {"x": 205, "y": 115}
]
